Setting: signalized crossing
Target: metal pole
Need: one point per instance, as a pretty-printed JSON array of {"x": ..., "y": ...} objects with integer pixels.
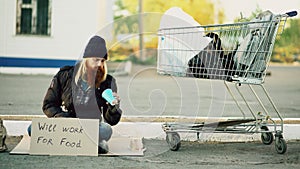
[{"x": 141, "y": 39}]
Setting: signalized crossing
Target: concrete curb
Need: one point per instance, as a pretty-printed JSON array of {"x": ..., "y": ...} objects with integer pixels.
[{"x": 182, "y": 119}]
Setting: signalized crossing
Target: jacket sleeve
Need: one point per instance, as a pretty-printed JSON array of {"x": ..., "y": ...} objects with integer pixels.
[
  {"x": 112, "y": 114},
  {"x": 52, "y": 101}
]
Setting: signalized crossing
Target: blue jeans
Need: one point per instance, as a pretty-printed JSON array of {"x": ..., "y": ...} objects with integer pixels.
[{"x": 105, "y": 131}]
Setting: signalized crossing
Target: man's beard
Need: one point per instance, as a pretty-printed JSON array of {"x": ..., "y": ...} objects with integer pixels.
[{"x": 100, "y": 76}]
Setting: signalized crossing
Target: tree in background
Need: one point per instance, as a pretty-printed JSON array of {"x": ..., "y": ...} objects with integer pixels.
[
  {"x": 126, "y": 18},
  {"x": 287, "y": 47},
  {"x": 203, "y": 11}
]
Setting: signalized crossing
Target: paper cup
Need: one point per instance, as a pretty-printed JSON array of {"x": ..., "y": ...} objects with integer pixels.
[{"x": 108, "y": 96}]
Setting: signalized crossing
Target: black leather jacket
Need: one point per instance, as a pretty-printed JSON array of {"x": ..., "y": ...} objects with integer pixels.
[{"x": 58, "y": 101}]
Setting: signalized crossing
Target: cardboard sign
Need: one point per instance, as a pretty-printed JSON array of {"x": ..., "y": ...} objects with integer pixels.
[{"x": 64, "y": 136}]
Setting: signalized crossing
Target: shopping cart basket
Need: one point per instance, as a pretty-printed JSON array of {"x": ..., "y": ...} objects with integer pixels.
[{"x": 238, "y": 54}]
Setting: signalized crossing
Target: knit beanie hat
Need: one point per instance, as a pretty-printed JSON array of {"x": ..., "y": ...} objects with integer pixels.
[{"x": 96, "y": 47}]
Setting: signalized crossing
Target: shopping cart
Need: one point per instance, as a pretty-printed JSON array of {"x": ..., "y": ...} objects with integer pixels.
[{"x": 238, "y": 54}]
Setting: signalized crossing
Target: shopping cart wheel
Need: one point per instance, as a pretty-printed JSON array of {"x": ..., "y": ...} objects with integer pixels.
[
  {"x": 173, "y": 140},
  {"x": 266, "y": 137},
  {"x": 280, "y": 145}
]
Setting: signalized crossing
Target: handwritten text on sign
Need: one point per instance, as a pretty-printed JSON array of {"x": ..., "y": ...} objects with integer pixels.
[{"x": 64, "y": 136}]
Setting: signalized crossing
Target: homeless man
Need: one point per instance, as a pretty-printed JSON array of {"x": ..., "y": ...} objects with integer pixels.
[{"x": 75, "y": 91}]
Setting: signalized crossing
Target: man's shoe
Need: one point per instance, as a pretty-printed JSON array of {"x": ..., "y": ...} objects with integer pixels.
[
  {"x": 3, "y": 148},
  {"x": 102, "y": 147}
]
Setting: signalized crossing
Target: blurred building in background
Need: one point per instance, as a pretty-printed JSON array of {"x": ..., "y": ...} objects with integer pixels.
[{"x": 37, "y": 34}]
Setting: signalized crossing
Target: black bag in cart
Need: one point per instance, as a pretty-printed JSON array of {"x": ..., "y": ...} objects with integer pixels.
[{"x": 211, "y": 63}]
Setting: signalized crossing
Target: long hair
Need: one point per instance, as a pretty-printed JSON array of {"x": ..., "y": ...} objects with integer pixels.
[{"x": 93, "y": 79}]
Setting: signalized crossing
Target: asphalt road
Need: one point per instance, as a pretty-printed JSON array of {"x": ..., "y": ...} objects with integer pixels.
[{"x": 144, "y": 93}]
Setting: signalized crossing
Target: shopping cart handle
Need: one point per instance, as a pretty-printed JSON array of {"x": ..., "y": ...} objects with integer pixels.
[{"x": 292, "y": 13}]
